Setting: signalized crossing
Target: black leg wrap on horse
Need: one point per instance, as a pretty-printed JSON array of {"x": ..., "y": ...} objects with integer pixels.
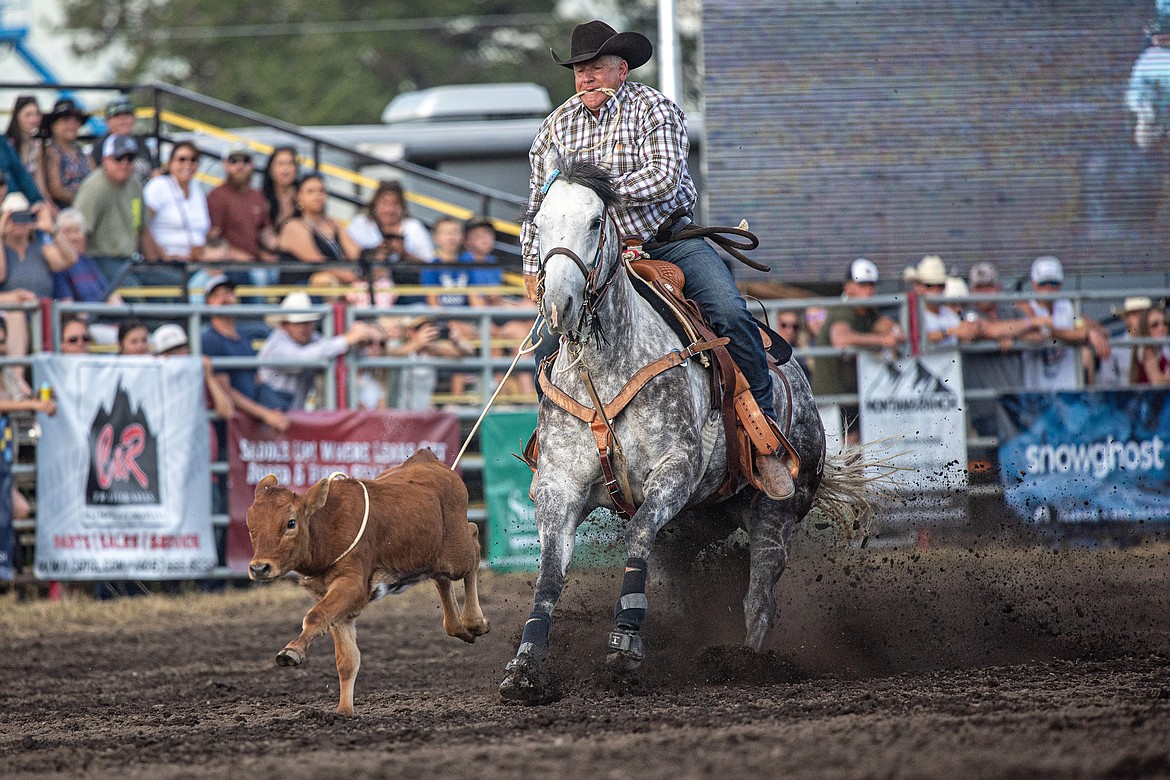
[
  {"x": 631, "y": 607},
  {"x": 536, "y": 630}
]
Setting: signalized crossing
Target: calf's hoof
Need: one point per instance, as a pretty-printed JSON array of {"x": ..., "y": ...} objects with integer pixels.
[
  {"x": 289, "y": 657},
  {"x": 480, "y": 627},
  {"x": 526, "y": 680},
  {"x": 626, "y": 650}
]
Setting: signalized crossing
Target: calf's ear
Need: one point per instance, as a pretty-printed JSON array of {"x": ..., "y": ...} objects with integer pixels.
[
  {"x": 265, "y": 484},
  {"x": 316, "y": 496}
]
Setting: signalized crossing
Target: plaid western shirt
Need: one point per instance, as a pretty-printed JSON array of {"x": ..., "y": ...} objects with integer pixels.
[{"x": 641, "y": 137}]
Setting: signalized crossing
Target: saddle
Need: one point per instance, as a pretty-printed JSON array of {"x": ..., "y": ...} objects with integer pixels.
[{"x": 748, "y": 431}]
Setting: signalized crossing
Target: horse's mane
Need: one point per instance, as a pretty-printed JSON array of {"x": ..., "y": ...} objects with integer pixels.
[{"x": 576, "y": 170}]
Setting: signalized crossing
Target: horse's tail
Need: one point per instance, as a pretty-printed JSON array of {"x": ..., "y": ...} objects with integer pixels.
[{"x": 854, "y": 481}]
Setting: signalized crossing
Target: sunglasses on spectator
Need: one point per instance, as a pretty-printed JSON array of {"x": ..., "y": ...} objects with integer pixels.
[
  {"x": 787, "y": 325},
  {"x": 183, "y": 159},
  {"x": 239, "y": 159},
  {"x": 124, "y": 158},
  {"x": 75, "y": 339}
]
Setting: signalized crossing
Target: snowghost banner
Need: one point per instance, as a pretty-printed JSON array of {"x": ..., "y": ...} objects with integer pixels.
[
  {"x": 123, "y": 469},
  {"x": 915, "y": 403},
  {"x": 1087, "y": 457}
]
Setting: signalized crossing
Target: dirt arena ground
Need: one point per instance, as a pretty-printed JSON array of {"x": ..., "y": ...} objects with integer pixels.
[{"x": 985, "y": 662}]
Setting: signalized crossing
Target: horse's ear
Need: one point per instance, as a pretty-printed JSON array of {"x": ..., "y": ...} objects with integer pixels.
[{"x": 551, "y": 165}]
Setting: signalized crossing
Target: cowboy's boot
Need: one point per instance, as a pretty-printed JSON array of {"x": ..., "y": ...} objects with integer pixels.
[{"x": 774, "y": 476}]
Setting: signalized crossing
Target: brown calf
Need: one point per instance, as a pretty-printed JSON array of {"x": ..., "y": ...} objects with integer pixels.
[{"x": 354, "y": 540}]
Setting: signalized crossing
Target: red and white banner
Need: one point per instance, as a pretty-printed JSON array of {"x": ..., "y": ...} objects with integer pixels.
[
  {"x": 317, "y": 444},
  {"x": 123, "y": 469}
]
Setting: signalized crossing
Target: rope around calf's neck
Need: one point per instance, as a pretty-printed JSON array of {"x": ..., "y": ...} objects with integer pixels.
[{"x": 365, "y": 516}]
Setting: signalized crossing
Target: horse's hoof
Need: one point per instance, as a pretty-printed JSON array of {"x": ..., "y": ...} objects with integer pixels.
[
  {"x": 527, "y": 681},
  {"x": 626, "y": 650},
  {"x": 287, "y": 657}
]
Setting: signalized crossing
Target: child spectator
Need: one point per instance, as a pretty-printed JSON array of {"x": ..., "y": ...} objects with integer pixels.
[{"x": 66, "y": 165}]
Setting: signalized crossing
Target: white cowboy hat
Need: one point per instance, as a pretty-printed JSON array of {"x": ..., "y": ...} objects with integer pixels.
[{"x": 295, "y": 301}]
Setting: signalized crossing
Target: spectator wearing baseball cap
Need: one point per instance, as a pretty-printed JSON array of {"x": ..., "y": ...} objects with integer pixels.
[
  {"x": 1002, "y": 323},
  {"x": 850, "y": 327},
  {"x": 120, "y": 116},
  {"x": 223, "y": 336},
  {"x": 239, "y": 212},
  {"x": 110, "y": 200},
  {"x": 1054, "y": 366}
]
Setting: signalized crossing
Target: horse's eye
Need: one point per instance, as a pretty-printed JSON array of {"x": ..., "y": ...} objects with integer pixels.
[
  {"x": 291, "y": 524},
  {"x": 596, "y": 224}
]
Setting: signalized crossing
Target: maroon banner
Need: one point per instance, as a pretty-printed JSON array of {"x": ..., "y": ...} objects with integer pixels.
[{"x": 360, "y": 444}]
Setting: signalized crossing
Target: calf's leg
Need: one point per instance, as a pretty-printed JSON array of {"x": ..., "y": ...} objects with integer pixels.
[
  {"x": 473, "y": 619},
  {"x": 349, "y": 660},
  {"x": 452, "y": 623},
  {"x": 344, "y": 600}
]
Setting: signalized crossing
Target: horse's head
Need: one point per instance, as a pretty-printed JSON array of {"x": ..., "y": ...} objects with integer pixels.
[{"x": 579, "y": 246}]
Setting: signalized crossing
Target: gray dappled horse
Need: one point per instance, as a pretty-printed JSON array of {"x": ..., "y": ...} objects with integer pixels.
[{"x": 671, "y": 439}]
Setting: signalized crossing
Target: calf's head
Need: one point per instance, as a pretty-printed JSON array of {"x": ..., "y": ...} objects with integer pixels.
[{"x": 279, "y": 523}]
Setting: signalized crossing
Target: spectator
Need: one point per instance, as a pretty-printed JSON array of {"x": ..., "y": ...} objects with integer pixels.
[
  {"x": 279, "y": 185},
  {"x": 1115, "y": 370},
  {"x": 18, "y": 403},
  {"x": 133, "y": 337},
  {"x": 447, "y": 234},
  {"x": 75, "y": 336},
  {"x": 83, "y": 281},
  {"x": 32, "y": 248},
  {"x": 788, "y": 325},
  {"x": 312, "y": 236},
  {"x": 239, "y": 212},
  {"x": 1149, "y": 85},
  {"x": 1150, "y": 364},
  {"x": 1054, "y": 366},
  {"x": 294, "y": 337},
  {"x": 221, "y": 337},
  {"x": 177, "y": 208},
  {"x": 940, "y": 323},
  {"x": 1002, "y": 323},
  {"x": 120, "y": 119},
  {"x": 170, "y": 340},
  {"x": 853, "y": 327},
  {"x": 66, "y": 165},
  {"x": 385, "y": 232},
  {"x": 22, "y": 134},
  {"x": 416, "y": 337},
  {"x": 110, "y": 199},
  {"x": 479, "y": 242}
]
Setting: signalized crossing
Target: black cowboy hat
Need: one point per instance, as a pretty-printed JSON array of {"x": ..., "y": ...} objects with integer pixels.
[
  {"x": 594, "y": 39},
  {"x": 62, "y": 108}
]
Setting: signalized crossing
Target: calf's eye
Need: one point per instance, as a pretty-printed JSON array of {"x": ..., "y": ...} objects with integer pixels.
[{"x": 292, "y": 523}]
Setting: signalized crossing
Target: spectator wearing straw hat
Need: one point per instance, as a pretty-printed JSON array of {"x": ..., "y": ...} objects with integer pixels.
[
  {"x": 1114, "y": 371},
  {"x": 294, "y": 337}
]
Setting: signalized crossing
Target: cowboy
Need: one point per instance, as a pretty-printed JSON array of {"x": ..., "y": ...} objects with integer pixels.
[{"x": 640, "y": 135}]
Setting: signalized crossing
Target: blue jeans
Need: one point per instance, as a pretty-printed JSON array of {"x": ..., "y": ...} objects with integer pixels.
[{"x": 711, "y": 285}]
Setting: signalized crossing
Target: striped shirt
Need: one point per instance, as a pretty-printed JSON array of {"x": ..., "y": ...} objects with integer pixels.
[{"x": 641, "y": 137}]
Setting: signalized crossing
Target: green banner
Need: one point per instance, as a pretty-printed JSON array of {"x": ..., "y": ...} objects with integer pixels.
[{"x": 512, "y": 541}]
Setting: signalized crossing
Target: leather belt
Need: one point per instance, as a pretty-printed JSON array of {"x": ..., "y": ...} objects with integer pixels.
[{"x": 672, "y": 227}]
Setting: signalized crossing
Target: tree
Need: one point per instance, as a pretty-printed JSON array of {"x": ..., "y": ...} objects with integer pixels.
[{"x": 337, "y": 62}]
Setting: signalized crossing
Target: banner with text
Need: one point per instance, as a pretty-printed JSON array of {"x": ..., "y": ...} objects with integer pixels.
[
  {"x": 123, "y": 469},
  {"x": 1086, "y": 457},
  {"x": 513, "y": 542},
  {"x": 915, "y": 403},
  {"x": 316, "y": 444}
]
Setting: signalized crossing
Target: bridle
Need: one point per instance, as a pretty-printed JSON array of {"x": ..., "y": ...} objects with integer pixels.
[{"x": 595, "y": 286}]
